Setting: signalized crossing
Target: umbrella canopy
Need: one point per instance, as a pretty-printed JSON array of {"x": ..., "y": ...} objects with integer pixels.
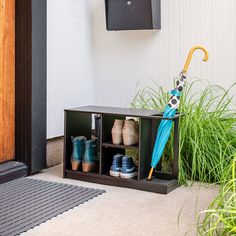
[
  {"x": 165, "y": 128},
  {"x": 166, "y": 125}
]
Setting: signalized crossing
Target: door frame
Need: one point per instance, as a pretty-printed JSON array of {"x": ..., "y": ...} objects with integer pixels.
[{"x": 31, "y": 83}]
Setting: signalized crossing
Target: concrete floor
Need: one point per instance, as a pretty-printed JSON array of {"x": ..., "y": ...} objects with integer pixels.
[{"x": 128, "y": 212}]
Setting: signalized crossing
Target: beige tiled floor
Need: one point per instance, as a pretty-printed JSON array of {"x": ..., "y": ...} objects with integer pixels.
[{"x": 128, "y": 212}]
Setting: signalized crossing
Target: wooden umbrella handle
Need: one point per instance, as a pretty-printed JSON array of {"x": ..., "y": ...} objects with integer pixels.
[
  {"x": 186, "y": 65},
  {"x": 150, "y": 174}
]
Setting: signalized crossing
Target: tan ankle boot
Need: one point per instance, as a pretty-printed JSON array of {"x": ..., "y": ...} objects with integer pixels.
[
  {"x": 130, "y": 132},
  {"x": 117, "y": 132}
]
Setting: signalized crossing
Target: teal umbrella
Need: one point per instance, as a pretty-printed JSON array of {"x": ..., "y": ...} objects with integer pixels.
[{"x": 166, "y": 125}]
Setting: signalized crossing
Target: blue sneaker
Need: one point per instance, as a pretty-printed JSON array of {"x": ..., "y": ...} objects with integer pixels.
[
  {"x": 128, "y": 169},
  {"x": 116, "y": 165}
]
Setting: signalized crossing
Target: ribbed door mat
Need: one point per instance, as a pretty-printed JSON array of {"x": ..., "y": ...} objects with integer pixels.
[{"x": 26, "y": 203}]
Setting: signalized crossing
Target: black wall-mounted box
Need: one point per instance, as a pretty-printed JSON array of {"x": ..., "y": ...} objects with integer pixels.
[{"x": 133, "y": 14}]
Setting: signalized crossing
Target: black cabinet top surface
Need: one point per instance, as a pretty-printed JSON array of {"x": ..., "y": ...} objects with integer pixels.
[{"x": 117, "y": 111}]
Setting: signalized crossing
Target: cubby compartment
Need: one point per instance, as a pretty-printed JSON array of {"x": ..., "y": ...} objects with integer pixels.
[
  {"x": 107, "y": 124},
  {"x": 107, "y": 158},
  {"x": 78, "y": 122}
]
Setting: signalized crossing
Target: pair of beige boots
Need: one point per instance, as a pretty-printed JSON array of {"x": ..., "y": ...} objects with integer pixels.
[{"x": 126, "y": 132}]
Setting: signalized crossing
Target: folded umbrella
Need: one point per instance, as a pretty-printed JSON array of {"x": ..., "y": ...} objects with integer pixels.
[{"x": 166, "y": 124}]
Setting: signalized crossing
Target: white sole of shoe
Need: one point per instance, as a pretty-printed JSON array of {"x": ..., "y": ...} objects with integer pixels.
[
  {"x": 114, "y": 173},
  {"x": 128, "y": 176}
]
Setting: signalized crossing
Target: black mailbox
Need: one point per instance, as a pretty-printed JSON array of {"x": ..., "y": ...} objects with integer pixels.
[{"x": 133, "y": 14}]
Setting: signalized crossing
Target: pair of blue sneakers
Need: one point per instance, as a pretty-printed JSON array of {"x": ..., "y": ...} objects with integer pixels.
[{"x": 123, "y": 166}]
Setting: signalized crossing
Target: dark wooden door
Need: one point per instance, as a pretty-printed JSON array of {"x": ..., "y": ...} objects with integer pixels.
[{"x": 7, "y": 80}]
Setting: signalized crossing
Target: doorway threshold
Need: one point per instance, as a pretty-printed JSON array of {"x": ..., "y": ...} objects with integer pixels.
[{"x": 12, "y": 170}]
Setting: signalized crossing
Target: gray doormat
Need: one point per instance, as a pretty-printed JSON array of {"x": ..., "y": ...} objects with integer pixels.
[{"x": 26, "y": 203}]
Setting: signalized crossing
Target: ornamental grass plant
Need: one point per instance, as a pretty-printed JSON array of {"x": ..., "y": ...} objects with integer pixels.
[
  {"x": 207, "y": 131},
  {"x": 220, "y": 217}
]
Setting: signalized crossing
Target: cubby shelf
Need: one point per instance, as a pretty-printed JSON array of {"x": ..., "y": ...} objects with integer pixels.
[
  {"x": 111, "y": 145},
  {"x": 78, "y": 123}
]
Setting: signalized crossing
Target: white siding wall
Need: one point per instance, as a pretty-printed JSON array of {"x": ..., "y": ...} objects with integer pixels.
[
  {"x": 87, "y": 64},
  {"x": 70, "y": 59},
  {"x": 123, "y": 59}
]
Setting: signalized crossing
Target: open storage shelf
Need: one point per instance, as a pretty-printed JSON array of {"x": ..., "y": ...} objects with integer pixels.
[
  {"x": 111, "y": 145},
  {"x": 78, "y": 122}
]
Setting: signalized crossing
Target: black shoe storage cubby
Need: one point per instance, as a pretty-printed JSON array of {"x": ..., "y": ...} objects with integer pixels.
[{"x": 78, "y": 122}]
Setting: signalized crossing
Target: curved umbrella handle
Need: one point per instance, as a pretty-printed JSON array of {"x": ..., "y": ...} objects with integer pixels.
[{"x": 186, "y": 65}]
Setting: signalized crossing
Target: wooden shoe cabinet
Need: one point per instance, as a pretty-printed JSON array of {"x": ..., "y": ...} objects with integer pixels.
[{"x": 78, "y": 122}]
